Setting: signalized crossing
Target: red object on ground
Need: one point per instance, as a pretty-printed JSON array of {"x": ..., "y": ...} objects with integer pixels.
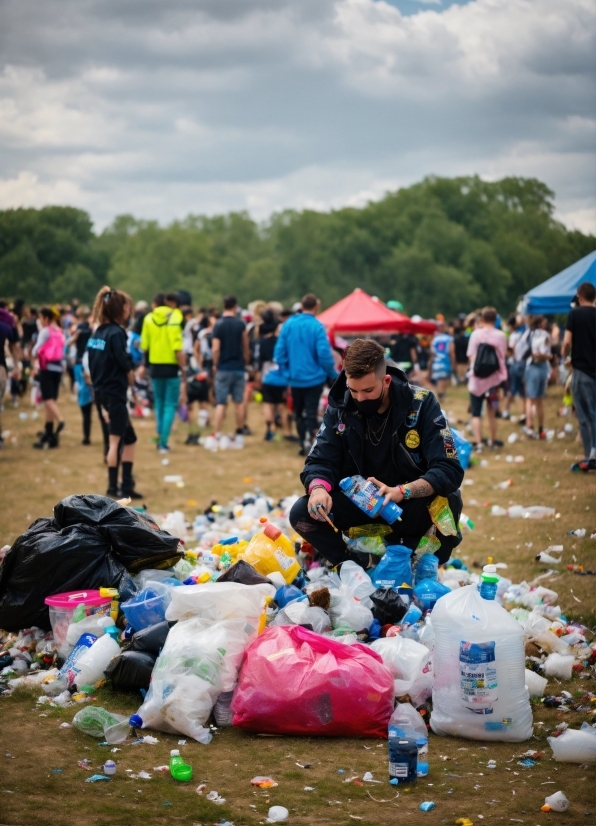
[
  {"x": 361, "y": 313},
  {"x": 294, "y": 681}
]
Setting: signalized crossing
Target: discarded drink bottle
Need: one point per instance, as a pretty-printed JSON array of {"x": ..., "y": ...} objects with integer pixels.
[
  {"x": 366, "y": 496},
  {"x": 403, "y": 757},
  {"x": 178, "y": 768}
]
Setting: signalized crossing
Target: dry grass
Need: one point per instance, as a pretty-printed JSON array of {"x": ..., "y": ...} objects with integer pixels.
[{"x": 31, "y": 482}]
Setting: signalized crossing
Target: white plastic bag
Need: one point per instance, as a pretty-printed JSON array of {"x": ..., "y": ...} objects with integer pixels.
[
  {"x": 535, "y": 683},
  {"x": 350, "y": 598},
  {"x": 575, "y": 746},
  {"x": 218, "y": 601},
  {"x": 301, "y": 613},
  {"x": 479, "y": 689},
  {"x": 409, "y": 662},
  {"x": 559, "y": 665},
  {"x": 199, "y": 660}
]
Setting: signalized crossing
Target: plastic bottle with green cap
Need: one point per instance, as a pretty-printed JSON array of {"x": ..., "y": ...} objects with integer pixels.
[
  {"x": 178, "y": 768},
  {"x": 489, "y": 581}
]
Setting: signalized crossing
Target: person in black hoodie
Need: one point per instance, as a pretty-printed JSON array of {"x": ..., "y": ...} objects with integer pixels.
[
  {"x": 391, "y": 432},
  {"x": 110, "y": 366}
]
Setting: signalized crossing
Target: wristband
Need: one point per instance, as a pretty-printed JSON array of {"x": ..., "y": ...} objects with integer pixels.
[
  {"x": 319, "y": 483},
  {"x": 406, "y": 491}
]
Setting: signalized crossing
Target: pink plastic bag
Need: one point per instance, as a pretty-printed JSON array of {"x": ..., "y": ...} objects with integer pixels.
[{"x": 294, "y": 681}]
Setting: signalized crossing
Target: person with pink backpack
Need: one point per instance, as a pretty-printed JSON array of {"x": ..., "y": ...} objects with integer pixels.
[{"x": 49, "y": 352}]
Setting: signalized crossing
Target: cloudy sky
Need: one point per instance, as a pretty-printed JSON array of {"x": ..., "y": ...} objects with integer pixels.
[{"x": 164, "y": 107}]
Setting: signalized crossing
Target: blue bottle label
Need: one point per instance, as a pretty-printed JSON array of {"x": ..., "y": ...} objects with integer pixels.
[{"x": 478, "y": 676}]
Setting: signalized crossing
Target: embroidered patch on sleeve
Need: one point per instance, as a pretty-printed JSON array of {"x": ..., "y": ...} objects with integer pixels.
[{"x": 449, "y": 443}]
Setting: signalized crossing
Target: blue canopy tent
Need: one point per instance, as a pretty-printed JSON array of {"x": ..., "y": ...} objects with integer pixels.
[{"x": 555, "y": 295}]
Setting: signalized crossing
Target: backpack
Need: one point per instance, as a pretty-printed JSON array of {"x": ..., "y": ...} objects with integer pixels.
[{"x": 486, "y": 362}]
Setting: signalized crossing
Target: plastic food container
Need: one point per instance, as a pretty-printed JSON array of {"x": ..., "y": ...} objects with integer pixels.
[
  {"x": 145, "y": 609},
  {"x": 63, "y": 606}
]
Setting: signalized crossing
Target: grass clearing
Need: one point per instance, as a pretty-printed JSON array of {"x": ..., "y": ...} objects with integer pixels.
[{"x": 32, "y": 794}]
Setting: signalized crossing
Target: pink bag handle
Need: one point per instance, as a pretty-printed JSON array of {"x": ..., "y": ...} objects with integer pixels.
[{"x": 324, "y": 645}]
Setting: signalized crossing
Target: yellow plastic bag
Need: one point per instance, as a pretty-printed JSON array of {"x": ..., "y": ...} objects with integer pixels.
[{"x": 441, "y": 515}]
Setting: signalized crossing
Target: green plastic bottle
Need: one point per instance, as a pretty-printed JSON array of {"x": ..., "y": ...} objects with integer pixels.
[{"x": 178, "y": 768}]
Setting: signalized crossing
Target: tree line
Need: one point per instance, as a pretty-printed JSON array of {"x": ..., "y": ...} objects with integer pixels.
[{"x": 442, "y": 245}]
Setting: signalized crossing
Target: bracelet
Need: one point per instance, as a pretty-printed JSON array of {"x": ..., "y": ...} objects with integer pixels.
[
  {"x": 406, "y": 491},
  {"x": 319, "y": 483}
]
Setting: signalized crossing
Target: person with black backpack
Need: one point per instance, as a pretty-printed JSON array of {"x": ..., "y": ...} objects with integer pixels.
[{"x": 487, "y": 350}]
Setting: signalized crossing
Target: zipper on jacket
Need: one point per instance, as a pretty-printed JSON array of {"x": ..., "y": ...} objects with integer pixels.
[{"x": 410, "y": 460}]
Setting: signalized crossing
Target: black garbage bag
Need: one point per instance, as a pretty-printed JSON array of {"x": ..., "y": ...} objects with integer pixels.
[
  {"x": 244, "y": 573},
  {"x": 136, "y": 539},
  {"x": 47, "y": 560},
  {"x": 388, "y": 606},
  {"x": 152, "y": 639},
  {"x": 131, "y": 670}
]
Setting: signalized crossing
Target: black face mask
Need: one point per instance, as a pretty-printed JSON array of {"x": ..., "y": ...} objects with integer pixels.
[{"x": 370, "y": 406}]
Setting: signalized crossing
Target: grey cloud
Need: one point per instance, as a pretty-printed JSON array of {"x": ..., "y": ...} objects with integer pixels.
[{"x": 236, "y": 102}]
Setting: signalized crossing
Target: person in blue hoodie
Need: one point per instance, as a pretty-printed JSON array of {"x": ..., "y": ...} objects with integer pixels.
[{"x": 305, "y": 359}]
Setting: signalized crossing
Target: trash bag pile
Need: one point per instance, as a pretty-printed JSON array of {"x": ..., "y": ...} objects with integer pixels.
[{"x": 247, "y": 629}]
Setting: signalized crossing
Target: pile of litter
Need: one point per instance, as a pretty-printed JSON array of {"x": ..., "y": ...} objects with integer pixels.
[{"x": 203, "y": 616}]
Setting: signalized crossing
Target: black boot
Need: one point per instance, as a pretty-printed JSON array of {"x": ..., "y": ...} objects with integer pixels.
[
  {"x": 46, "y": 437},
  {"x": 128, "y": 482},
  {"x": 112, "y": 482}
]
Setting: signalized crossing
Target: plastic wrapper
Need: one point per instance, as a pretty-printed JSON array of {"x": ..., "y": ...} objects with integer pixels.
[
  {"x": 102, "y": 724},
  {"x": 429, "y": 543},
  {"x": 131, "y": 670},
  {"x": 388, "y": 606},
  {"x": 48, "y": 560},
  {"x": 575, "y": 746},
  {"x": 296, "y": 682},
  {"x": 559, "y": 666},
  {"x": 199, "y": 661},
  {"x": 409, "y": 663},
  {"x": 441, "y": 515},
  {"x": 463, "y": 447},
  {"x": 366, "y": 545},
  {"x": 373, "y": 529},
  {"x": 218, "y": 601}
]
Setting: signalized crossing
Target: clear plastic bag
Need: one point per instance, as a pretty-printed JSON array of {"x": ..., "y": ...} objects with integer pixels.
[
  {"x": 350, "y": 597},
  {"x": 575, "y": 746},
  {"x": 441, "y": 515},
  {"x": 199, "y": 661}
]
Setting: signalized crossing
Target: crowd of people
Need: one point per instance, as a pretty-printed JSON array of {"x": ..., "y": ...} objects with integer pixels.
[{"x": 123, "y": 359}]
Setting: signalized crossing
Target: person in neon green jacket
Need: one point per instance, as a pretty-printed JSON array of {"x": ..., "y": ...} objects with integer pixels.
[{"x": 161, "y": 340}]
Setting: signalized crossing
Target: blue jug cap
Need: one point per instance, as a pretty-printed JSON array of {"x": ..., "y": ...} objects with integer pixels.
[{"x": 136, "y": 721}]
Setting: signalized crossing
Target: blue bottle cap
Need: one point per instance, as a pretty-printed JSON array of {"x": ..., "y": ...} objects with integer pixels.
[{"x": 136, "y": 721}]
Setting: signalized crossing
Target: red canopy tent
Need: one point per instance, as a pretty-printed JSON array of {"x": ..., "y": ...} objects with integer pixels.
[{"x": 360, "y": 313}]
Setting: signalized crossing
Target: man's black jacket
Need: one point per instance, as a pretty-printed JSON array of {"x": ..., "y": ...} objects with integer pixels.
[{"x": 422, "y": 445}]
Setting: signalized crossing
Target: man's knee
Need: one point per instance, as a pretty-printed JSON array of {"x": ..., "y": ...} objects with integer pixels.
[{"x": 299, "y": 518}]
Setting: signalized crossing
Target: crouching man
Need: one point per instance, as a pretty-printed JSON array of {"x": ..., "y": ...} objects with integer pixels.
[{"x": 387, "y": 430}]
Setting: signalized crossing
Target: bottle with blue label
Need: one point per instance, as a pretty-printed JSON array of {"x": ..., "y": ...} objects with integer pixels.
[
  {"x": 366, "y": 496},
  {"x": 489, "y": 582}
]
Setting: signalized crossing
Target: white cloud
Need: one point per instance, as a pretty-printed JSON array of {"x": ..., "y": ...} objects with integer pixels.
[{"x": 161, "y": 108}]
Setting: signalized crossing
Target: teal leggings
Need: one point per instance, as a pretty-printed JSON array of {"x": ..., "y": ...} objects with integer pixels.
[{"x": 165, "y": 393}]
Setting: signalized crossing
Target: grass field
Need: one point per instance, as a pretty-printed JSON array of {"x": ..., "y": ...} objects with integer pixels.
[{"x": 33, "y": 746}]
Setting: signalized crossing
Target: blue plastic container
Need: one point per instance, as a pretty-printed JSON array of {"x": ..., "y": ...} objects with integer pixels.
[
  {"x": 287, "y": 594},
  {"x": 428, "y": 591},
  {"x": 394, "y": 568},
  {"x": 427, "y": 567},
  {"x": 463, "y": 447},
  {"x": 144, "y": 609},
  {"x": 366, "y": 496}
]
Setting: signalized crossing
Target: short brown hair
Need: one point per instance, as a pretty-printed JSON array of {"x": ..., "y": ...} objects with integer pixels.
[
  {"x": 489, "y": 314},
  {"x": 109, "y": 305},
  {"x": 587, "y": 291},
  {"x": 363, "y": 357},
  {"x": 309, "y": 301}
]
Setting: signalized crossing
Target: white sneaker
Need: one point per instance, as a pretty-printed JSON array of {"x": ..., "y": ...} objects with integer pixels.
[
  {"x": 203, "y": 418},
  {"x": 237, "y": 442}
]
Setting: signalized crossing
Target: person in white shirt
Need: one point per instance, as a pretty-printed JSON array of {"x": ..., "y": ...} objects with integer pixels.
[{"x": 536, "y": 375}]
